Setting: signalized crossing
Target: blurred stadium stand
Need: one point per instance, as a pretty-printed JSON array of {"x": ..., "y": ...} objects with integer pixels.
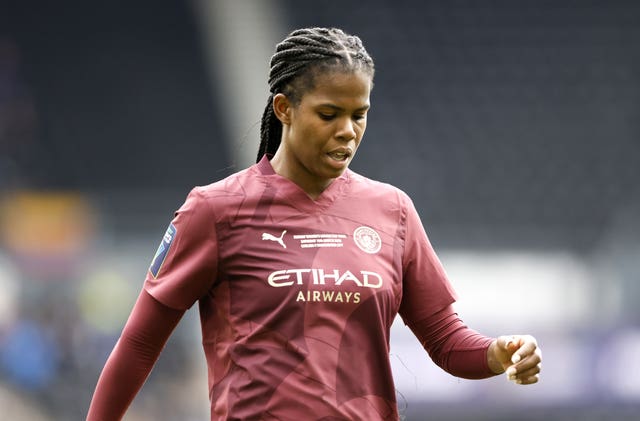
[
  {"x": 510, "y": 123},
  {"x": 513, "y": 126}
]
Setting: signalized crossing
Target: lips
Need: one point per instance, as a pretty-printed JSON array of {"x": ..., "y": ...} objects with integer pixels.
[{"x": 341, "y": 154}]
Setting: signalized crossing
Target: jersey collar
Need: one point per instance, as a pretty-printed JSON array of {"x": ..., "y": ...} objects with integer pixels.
[{"x": 298, "y": 197}]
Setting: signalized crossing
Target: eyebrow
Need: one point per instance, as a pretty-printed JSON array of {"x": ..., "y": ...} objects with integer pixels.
[{"x": 335, "y": 107}]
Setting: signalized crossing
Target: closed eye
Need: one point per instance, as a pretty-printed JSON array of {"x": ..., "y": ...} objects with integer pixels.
[{"x": 327, "y": 117}]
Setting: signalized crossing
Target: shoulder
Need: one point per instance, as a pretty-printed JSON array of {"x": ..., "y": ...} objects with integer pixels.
[
  {"x": 229, "y": 185},
  {"x": 228, "y": 193},
  {"x": 365, "y": 188},
  {"x": 233, "y": 187}
]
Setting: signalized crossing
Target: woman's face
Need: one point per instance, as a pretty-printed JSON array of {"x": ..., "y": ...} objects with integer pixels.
[{"x": 321, "y": 133}]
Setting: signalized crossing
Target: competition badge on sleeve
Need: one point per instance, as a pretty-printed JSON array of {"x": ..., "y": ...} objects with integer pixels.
[{"x": 163, "y": 250}]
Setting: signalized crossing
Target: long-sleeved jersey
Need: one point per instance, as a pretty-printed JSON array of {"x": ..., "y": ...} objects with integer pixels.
[{"x": 297, "y": 296}]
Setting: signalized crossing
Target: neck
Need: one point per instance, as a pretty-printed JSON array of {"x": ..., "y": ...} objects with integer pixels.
[{"x": 311, "y": 185}]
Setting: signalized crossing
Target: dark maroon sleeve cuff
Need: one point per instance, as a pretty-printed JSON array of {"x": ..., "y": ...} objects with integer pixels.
[{"x": 453, "y": 346}]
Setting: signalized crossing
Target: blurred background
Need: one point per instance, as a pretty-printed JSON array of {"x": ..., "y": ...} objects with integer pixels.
[{"x": 514, "y": 126}]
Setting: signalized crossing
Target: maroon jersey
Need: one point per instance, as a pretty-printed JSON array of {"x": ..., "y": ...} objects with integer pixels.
[{"x": 297, "y": 296}]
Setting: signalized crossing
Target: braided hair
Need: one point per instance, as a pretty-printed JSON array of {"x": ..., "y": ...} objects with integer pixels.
[{"x": 298, "y": 58}]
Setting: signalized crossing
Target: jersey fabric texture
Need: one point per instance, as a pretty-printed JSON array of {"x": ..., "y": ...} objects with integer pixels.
[{"x": 297, "y": 296}]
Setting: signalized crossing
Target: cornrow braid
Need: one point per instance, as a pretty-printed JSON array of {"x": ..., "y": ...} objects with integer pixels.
[{"x": 292, "y": 68}]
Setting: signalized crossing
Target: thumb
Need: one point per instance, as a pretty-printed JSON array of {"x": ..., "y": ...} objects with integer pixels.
[{"x": 508, "y": 345}]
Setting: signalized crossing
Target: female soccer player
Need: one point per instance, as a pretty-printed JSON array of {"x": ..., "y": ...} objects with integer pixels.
[{"x": 299, "y": 267}]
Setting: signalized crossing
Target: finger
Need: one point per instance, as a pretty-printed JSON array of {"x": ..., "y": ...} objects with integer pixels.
[
  {"x": 508, "y": 343},
  {"x": 525, "y": 349},
  {"x": 514, "y": 374},
  {"x": 528, "y": 380},
  {"x": 528, "y": 362},
  {"x": 523, "y": 371},
  {"x": 523, "y": 375}
]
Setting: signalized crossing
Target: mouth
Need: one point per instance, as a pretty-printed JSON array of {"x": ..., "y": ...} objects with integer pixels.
[{"x": 340, "y": 155}]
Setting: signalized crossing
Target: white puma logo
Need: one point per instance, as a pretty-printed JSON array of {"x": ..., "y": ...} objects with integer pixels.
[{"x": 267, "y": 236}]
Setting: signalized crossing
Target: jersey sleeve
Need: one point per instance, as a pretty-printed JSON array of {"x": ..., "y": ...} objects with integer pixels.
[
  {"x": 185, "y": 264},
  {"x": 133, "y": 357},
  {"x": 453, "y": 346},
  {"x": 426, "y": 287}
]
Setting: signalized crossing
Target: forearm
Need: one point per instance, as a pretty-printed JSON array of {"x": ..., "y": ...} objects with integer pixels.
[
  {"x": 454, "y": 347},
  {"x": 133, "y": 357},
  {"x": 121, "y": 379}
]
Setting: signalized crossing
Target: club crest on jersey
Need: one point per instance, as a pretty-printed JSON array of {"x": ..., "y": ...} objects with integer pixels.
[
  {"x": 163, "y": 250},
  {"x": 367, "y": 239}
]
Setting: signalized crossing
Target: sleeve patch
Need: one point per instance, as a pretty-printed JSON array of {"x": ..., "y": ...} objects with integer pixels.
[{"x": 163, "y": 250}]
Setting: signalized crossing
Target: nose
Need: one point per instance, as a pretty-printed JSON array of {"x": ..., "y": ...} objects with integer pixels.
[{"x": 346, "y": 129}]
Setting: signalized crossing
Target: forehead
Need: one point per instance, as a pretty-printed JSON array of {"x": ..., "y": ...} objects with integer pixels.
[{"x": 340, "y": 88}]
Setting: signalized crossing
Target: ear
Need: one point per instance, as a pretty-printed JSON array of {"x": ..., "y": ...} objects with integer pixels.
[{"x": 282, "y": 108}]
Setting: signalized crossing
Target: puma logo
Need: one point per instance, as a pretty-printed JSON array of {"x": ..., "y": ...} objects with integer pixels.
[{"x": 267, "y": 236}]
